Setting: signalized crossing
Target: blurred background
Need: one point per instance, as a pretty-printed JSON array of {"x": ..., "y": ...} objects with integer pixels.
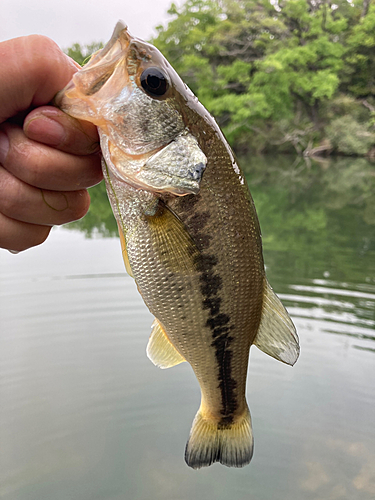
[{"x": 84, "y": 414}]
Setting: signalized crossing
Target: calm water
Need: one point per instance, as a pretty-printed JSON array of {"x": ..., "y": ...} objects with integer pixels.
[{"x": 85, "y": 415}]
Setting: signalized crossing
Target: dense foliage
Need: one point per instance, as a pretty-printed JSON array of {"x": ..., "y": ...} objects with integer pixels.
[{"x": 293, "y": 75}]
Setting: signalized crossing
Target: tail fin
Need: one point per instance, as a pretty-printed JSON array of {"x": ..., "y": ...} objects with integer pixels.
[{"x": 209, "y": 442}]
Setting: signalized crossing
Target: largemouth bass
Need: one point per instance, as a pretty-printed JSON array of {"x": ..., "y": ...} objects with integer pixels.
[{"x": 189, "y": 233}]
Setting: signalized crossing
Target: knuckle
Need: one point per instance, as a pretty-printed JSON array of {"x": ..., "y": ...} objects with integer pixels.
[
  {"x": 31, "y": 158},
  {"x": 25, "y": 158},
  {"x": 41, "y": 235},
  {"x": 10, "y": 197},
  {"x": 48, "y": 68}
]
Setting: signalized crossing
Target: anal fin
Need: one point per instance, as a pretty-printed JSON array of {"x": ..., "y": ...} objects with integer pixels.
[
  {"x": 160, "y": 350},
  {"x": 277, "y": 334}
]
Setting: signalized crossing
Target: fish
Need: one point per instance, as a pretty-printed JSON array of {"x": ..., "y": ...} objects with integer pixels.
[{"x": 189, "y": 232}]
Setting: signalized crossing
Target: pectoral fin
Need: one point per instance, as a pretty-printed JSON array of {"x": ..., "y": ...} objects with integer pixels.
[
  {"x": 160, "y": 350},
  {"x": 172, "y": 242},
  {"x": 277, "y": 335},
  {"x": 124, "y": 251}
]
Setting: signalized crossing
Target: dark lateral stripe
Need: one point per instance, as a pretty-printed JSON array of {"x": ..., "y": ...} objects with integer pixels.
[
  {"x": 220, "y": 331},
  {"x": 211, "y": 284},
  {"x": 213, "y": 304},
  {"x": 218, "y": 322}
]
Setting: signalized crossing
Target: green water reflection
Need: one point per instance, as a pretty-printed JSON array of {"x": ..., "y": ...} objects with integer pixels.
[{"x": 316, "y": 218}]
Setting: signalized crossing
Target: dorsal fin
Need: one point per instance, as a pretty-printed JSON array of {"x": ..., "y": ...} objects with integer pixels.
[
  {"x": 277, "y": 334},
  {"x": 124, "y": 251},
  {"x": 160, "y": 350}
]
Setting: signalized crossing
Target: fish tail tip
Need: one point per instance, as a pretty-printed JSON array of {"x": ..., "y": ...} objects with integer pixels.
[{"x": 230, "y": 444}]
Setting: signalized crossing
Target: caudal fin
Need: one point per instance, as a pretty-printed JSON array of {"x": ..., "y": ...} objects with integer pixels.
[{"x": 229, "y": 444}]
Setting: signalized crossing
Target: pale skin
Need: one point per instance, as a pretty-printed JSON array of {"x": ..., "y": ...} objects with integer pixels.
[{"x": 47, "y": 159}]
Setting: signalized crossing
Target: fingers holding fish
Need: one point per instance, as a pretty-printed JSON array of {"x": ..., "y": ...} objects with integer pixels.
[
  {"x": 43, "y": 166},
  {"x": 40, "y": 186},
  {"x": 22, "y": 202},
  {"x": 46, "y": 167}
]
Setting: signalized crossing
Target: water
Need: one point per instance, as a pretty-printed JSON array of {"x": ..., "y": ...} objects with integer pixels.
[{"x": 84, "y": 414}]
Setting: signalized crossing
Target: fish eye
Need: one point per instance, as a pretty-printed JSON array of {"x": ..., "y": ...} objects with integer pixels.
[{"x": 154, "y": 82}]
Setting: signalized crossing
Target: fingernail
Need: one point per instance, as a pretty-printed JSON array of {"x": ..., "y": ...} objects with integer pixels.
[
  {"x": 4, "y": 147},
  {"x": 45, "y": 130}
]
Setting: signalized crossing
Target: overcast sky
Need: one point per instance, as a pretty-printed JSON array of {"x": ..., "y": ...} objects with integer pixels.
[{"x": 83, "y": 21}]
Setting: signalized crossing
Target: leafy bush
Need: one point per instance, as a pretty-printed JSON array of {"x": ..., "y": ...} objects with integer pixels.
[{"x": 349, "y": 136}]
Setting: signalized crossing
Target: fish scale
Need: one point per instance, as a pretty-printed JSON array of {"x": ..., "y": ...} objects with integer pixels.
[{"x": 189, "y": 232}]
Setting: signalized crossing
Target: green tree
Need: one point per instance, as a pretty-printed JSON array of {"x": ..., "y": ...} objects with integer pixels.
[
  {"x": 360, "y": 59},
  {"x": 270, "y": 69}
]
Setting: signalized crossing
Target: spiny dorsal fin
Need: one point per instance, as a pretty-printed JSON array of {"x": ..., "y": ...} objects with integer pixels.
[
  {"x": 160, "y": 350},
  {"x": 277, "y": 334},
  {"x": 174, "y": 245},
  {"x": 124, "y": 251}
]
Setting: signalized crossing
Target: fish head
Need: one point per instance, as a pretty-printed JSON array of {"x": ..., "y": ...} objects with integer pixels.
[{"x": 137, "y": 100}]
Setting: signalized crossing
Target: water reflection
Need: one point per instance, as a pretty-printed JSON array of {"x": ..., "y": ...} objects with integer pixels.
[{"x": 84, "y": 415}]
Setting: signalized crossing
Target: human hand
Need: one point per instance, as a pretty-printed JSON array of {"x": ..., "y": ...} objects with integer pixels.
[{"x": 47, "y": 158}]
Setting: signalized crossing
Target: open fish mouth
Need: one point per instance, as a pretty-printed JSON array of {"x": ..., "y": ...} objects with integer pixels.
[
  {"x": 108, "y": 73},
  {"x": 95, "y": 74}
]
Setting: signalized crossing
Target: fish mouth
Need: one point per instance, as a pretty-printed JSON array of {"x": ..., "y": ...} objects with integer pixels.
[{"x": 74, "y": 99}]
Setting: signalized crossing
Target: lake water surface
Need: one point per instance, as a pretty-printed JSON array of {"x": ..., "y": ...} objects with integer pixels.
[{"x": 84, "y": 414}]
